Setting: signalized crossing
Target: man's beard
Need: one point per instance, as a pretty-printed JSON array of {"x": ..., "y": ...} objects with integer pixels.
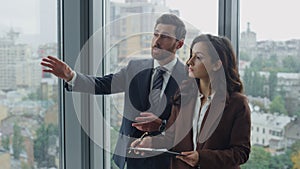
[{"x": 162, "y": 54}]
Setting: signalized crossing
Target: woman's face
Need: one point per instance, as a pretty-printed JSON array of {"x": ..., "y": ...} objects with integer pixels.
[{"x": 200, "y": 63}]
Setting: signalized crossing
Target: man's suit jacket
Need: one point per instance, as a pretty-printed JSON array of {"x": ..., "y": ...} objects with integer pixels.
[
  {"x": 224, "y": 140},
  {"x": 135, "y": 81}
]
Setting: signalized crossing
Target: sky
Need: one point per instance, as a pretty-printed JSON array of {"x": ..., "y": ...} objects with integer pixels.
[
  {"x": 202, "y": 14},
  {"x": 270, "y": 19},
  {"x": 23, "y": 15}
]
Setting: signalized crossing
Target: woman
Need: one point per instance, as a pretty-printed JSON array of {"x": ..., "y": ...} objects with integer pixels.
[{"x": 210, "y": 120}]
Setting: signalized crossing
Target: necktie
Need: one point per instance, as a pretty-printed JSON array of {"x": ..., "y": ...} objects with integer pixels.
[{"x": 156, "y": 89}]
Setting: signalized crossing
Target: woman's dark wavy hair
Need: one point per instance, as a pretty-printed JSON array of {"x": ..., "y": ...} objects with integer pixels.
[{"x": 219, "y": 48}]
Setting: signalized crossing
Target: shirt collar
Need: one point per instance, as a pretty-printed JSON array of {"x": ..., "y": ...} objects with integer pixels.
[
  {"x": 169, "y": 66},
  {"x": 209, "y": 98}
]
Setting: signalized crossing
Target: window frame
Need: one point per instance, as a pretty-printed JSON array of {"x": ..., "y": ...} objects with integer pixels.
[{"x": 78, "y": 20}]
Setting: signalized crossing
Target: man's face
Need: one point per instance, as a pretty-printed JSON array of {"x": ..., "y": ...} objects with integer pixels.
[{"x": 164, "y": 43}]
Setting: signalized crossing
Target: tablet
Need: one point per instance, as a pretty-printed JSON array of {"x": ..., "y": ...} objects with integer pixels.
[{"x": 163, "y": 150}]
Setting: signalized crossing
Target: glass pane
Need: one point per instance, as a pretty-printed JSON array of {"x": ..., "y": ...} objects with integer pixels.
[
  {"x": 129, "y": 31},
  {"x": 270, "y": 68},
  {"x": 29, "y": 133}
]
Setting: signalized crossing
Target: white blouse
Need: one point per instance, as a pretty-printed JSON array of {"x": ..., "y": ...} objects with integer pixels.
[{"x": 199, "y": 115}]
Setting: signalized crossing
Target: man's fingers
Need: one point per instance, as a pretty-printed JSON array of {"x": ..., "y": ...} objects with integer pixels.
[
  {"x": 49, "y": 60},
  {"x": 144, "y": 119},
  {"x": 139, "y": 128},
  {"x": 54, "y": 58},
  {"x": 48, "y": 70},
  {"x": 47, "y": 65},
  {"x": 146, "y": 114},
  {"x": 139, "y": 124}
]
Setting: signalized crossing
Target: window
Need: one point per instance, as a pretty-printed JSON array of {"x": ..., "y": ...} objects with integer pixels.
[
  {"x": 126, "y": 40},
  {"x": 269, "y": 66},
  {"x": 29, "y": 100}
]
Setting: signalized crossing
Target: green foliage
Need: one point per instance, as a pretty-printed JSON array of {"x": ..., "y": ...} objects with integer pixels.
[
  {"x": 295, "y": 147},
  {"x": 25, "y": 165},
  {"x": 296, "y": 160},
  {"x": 259, "y": 158},
  {"x": 42, "y": 143},
  {"x": 295, "y": 154},
  {"x": 5, "y": 143},
  {"x": 37, "y": 95},
  {"x": 244, "y": 56},
  {"x": 17, "y": 142},
  {"x": 272, "y": 85},
  {"x": 281, "y": 161},
  {"x": 263, "y": 64},
  {"x": 254, "y": 83},
  {"x": 297, "y": 113},
  {"x": 291, "y": 64},
  {"x": 278, "y": 105}
]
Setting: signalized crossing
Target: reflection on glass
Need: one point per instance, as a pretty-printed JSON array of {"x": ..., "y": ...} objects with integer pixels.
[
  {"x": 270, "y": 68},
  {"x": 130, "y": 30},
  {"x": 29, "y": 133}
]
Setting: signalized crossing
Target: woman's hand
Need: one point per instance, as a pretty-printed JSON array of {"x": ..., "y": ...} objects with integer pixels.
[
  {"x": 141, "y": 143},
  {"x": 190, "y": 157}
]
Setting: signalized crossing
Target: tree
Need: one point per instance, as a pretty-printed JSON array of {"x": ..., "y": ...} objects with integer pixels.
[
  {"x": 296, "y": 160},
  {"x": 260, "y": 81},
  {"x": 5, "y": 143},
  {"x": 42, "y": 144},
  {"x": 295, "y": 147},
  {"x": 281, "y": 161},
  {"x": 254, "y": 83},
  {"x": 272, "y": 85},
  {"x": 291, "y": 64},
  {"x": 278, "y": 105},
  {"x": 17, "y": 144},
  {"x": 259, "y": 158},
  {"x": 247, "y": 79},
  {"x": 244, "y": 56},
  {"x": 25, "y": 165},
  {"x": 36, "y": 95}
]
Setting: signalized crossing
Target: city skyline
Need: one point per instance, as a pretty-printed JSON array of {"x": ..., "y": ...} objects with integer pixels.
[{"x": 274, "y": 24}]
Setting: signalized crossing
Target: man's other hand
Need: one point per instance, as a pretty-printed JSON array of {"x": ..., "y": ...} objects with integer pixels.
[{"x": 147, "y": 122}]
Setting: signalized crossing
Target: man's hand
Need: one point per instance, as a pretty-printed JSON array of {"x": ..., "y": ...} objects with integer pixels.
[
  {"x": 58, "y": 68},
  {"x": 147, "y": 122},
  {"x": 191, "y": 158}
]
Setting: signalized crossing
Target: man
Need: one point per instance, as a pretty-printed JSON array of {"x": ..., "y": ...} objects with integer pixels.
[{"x": 139, "y": 80}]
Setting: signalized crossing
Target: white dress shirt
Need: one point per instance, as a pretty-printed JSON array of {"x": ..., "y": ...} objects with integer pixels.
[{"x": 169, "y": 67}]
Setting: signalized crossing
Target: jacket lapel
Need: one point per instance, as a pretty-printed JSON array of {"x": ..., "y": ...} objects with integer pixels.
[
  {"x": 178, "y": 74},
  {"x": 212, "y": 117},
  {"x": 144, "y": 81}
]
